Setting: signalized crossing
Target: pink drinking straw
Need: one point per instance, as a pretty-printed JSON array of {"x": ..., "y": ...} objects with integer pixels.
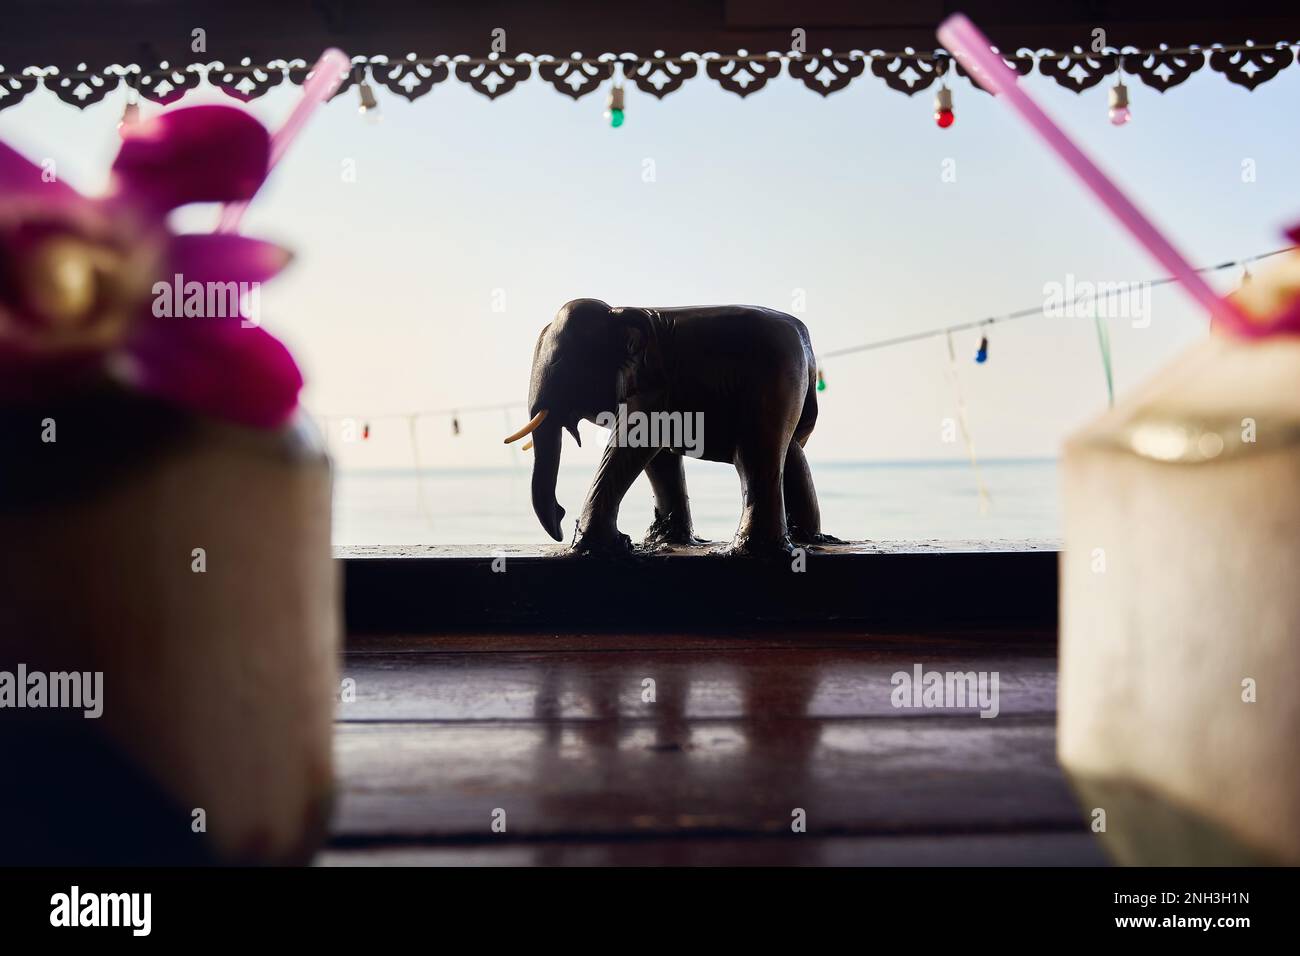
[
  {"x": 971, "y": 48},
  {"x": 325, "y": 78}
]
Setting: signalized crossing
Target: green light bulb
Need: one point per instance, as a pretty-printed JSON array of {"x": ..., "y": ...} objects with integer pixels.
[{"x": 616, "y": 118}]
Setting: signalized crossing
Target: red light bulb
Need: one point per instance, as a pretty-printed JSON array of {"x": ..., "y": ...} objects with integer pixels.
[{"x": 943, "y": 108}]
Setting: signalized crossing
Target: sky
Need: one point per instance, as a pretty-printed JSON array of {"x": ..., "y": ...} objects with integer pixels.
[{"x": 432, "y": 246}]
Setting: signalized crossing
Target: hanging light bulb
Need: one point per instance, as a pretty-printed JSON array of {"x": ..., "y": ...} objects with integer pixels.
[
  {"x": 1119, "y": 111},
  {"x": 821, "y": 381},
  {"x": 614, "y": 105},
  {"x": 943, "y": 115},
  {"x": 455, "y": 424},
  {"x": 369, "y": 107},
  {"x": 131, "y": 111},
  {"x": 982, "y": 355},
  {"x": 365, "y": 432}
]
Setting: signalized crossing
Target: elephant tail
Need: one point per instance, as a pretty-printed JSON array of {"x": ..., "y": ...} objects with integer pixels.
[{"x": 808, "y": 417}]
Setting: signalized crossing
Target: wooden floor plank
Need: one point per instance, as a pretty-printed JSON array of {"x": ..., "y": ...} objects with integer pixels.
[
  {"x": 997, "y": 849},
  {"x": 687, "y": 684},
  {"x": 745, "y": 727},
  {"x": 670, "y": 777}
]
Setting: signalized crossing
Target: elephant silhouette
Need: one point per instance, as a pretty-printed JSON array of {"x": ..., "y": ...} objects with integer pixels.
[{"x": 730, "y": 383}]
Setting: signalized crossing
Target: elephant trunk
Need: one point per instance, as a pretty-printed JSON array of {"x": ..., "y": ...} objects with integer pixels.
[{"x": 546, "y": 468}]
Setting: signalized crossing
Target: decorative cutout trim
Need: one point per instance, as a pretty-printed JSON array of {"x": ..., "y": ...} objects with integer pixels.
[
  {"x": 1253, "y": 65},
  {"x": 14, "y": 89},
  {"x": 575, "y": 76},
  {"x": 908, "y": 71},
  {"x": 827, "y": 73},
  {"x": 406, "y": 77},
  {"x": 493, "y": 77},
  {"x": 1077, "y": 70},
  {"x": 168, "y": 84},
  {"x": 659, "y": 75},
  {"x": 1160, "y": 71},
  {"x": 742, "y": 74}
]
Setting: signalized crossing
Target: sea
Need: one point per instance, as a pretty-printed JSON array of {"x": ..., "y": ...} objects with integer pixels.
[{"x": 1004, "y": 500}]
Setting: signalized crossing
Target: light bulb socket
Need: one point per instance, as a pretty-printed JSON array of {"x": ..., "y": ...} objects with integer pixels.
[
  {"x": 614, "y": 101},
  {"x": 367, "y": 97},
  {"x": 943, "y": 99},
  {"x": 1119, "y": 97}
]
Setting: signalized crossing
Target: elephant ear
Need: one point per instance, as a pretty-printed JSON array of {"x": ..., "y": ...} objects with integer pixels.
[
  {"x": 638, "y": 336},
  {"x": 642, "y": 370}
]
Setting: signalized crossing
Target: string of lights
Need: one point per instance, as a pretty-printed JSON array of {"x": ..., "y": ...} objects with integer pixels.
[
  {"x": 457, "y": 411},
  {"x": 1033, "y": 311}
]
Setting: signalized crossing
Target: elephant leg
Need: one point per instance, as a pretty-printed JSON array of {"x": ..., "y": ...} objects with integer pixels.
[
  {"x": 762, "y": 518},
  {"x": 803, "y": 515},
  {"x": 672, "y": 524},
  {"x": 597, "y": 526}
]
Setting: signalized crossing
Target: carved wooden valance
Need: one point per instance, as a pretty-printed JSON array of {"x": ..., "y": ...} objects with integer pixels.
[{"x": 411, "y": 77}]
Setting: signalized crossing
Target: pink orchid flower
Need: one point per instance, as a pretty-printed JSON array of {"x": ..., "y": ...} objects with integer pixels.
[{"x": 79, "y": 277}]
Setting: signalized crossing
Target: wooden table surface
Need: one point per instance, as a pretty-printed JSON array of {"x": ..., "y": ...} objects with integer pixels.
[{"x": 448, "y": 733}]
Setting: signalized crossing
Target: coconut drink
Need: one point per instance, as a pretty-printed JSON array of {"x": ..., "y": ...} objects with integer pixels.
[
  {"x": 169, "y": 609},
  {"x": 1179, "y": 611}
]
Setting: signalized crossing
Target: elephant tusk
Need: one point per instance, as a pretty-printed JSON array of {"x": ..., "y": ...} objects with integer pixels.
[
  {"x": 526, "y": 445},
  {"x": 536, "y": 420}
]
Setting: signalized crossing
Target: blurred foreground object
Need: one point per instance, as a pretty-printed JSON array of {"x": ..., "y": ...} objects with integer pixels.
[
  {"x": 102, "y": 287},
  {"x": 1179, "y": 607},
  {"x": 1180, "y": 614},
  {"x": 165, "y": 514},
  {"x": 219, "y": 667}
]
